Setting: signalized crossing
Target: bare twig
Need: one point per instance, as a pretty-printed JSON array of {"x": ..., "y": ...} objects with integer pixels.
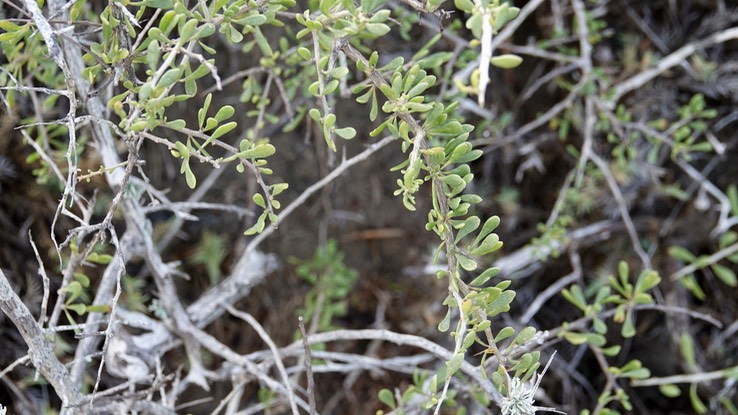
[
  {"x": 470, "y": 370},
  {"x": 553, "y": 289},
  {"x": 275, "y": 352},
  {"x": 686, "y": 378},
  {"x": 19, "y": 361},
  {"x": 41, "y": 352},
  {"x": 669, "y": 61},
  {"x": 622, "y": 206},
  {"x": 308, "y": 367},
  {"x": 335, "y": 173}
]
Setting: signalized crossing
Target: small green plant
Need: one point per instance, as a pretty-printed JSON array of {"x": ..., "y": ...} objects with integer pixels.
[
  {"x": 331, "y": 283},
  {"x": 626, "y": 296},
  {"x": 211, "y": 250}
]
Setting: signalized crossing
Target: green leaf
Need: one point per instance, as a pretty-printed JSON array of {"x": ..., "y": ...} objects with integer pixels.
[
  {"x": 628, "y": 330},
  {"x": 681, "y": 254},
  {"x": 77, "y": 308},
  {"x": 507, "y": 61},
  {"x": 259, "y": 152},
  {"x": 490, "y": 244},
  {"x": 345, "y": 133},
  {"x": 202, "y": 113},
  {"x": 465, "y": 5},
  {"x": 74, "y": 289},
  {"x": 484, "y": 277},
  {"x": 314, "y": 89},
  {"x": 501, "y": 304},
  {"x": 189, "y": 176},
  {"x": 159, "y": 4},
  {"x": 220, "y": 131},
  {"x": 504, "y": 334},
  {"x": 225, "y": 113},
  {"x": 575, "y": 338},
  {"x": 612, "y": 351},
  {"x": 187, "y": 31},
  {"x": 489, "y": 225},
  {"x": 387, "y": 398},
  {"x": 305, "y": 53},
  {"x": 83, "y": 279},
  {"x": 445, "y": 324},
  {"x": 338, "y": 72},
  {"x": 262, "y": 42},
  {"x": 315, "y": 114},
  {"x": 670, "y": 390},
  {"x": 102, "y": 259},
  {"x": 694, "y": 397},
  {"x": 153, "y": 52},
  {"x": 690, "y": 282},
  {"x": 258, "y": 226},
  {"x": 98, "y": 308},
  {"x": 253, "y": 20},
  {"x": 726, "y": 275},
  {"x": 259, "y": 200},
  {"x": 647, "y": 280},
  {"x": 470, "y": 225},
  {"x": 375, "y": 106},
  {"x": 177, "y": 125},
  {"x": 453, "y": 365},
  {"x": 466, "y": 263},
  {"x": 687, "y": 347},
  {"x": 182, "y": 149},
  {"x": 393, "y": 64},
  {"x": 170, "y": 77},
  {"x": 575, "y": 296},
  {"x": 525, "y": 335}
]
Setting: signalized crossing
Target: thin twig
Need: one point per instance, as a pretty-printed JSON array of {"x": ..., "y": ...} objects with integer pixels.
[
  {"x": 670, "y": 61},
  {"x": 45, "y": 280},
  {"x": 308, "y": 367},
  {"x": 552, "y": 290},
  {"x": 19, "y": 361},
  {"x": 622, "y": 206},
  {"x": 335, "y": 173},
  {"x": 275, "y": 352},
  {"x": 702, "y": 263},
  {"x": 686, "y": 378}
]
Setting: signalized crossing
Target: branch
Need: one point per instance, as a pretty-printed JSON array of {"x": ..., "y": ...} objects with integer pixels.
[
  {"x": 40, "y": 349},
  {"x": 670, "y": 61}
]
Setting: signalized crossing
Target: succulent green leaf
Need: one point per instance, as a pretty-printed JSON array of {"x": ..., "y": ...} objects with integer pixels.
[
  {"x": 189, "y": 175},
  {"x": 278, "y": 188},
  {"x": 258, "y": 226},
  {"x": 507, "y": 61},
  {"x": 187, "y": 31},
  {"x": 466, "y": 263},
  {"x": 504, "y": 334},
  {"x": 225, "y": 113},
  {"x": 259, "y": 200},
  {"x": 484, "y": 277},
  {"x": 223, "y": 129},
  {"x": 453, "y": 365},
  {"x": 725, "y": 274},
  {"x": 445, "y": 324},
  {"x": 525, "y": 335},
  {"x": 469, "y": 225},
  {"x": 670, "y": 390},
  {"x": 488, "y": 227},
  {"x": 253, "y": 20},
  {"x": 387, "y": 398},
  {"x": 490, "y": 244},
  {"x": 346, "y": 133}
]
